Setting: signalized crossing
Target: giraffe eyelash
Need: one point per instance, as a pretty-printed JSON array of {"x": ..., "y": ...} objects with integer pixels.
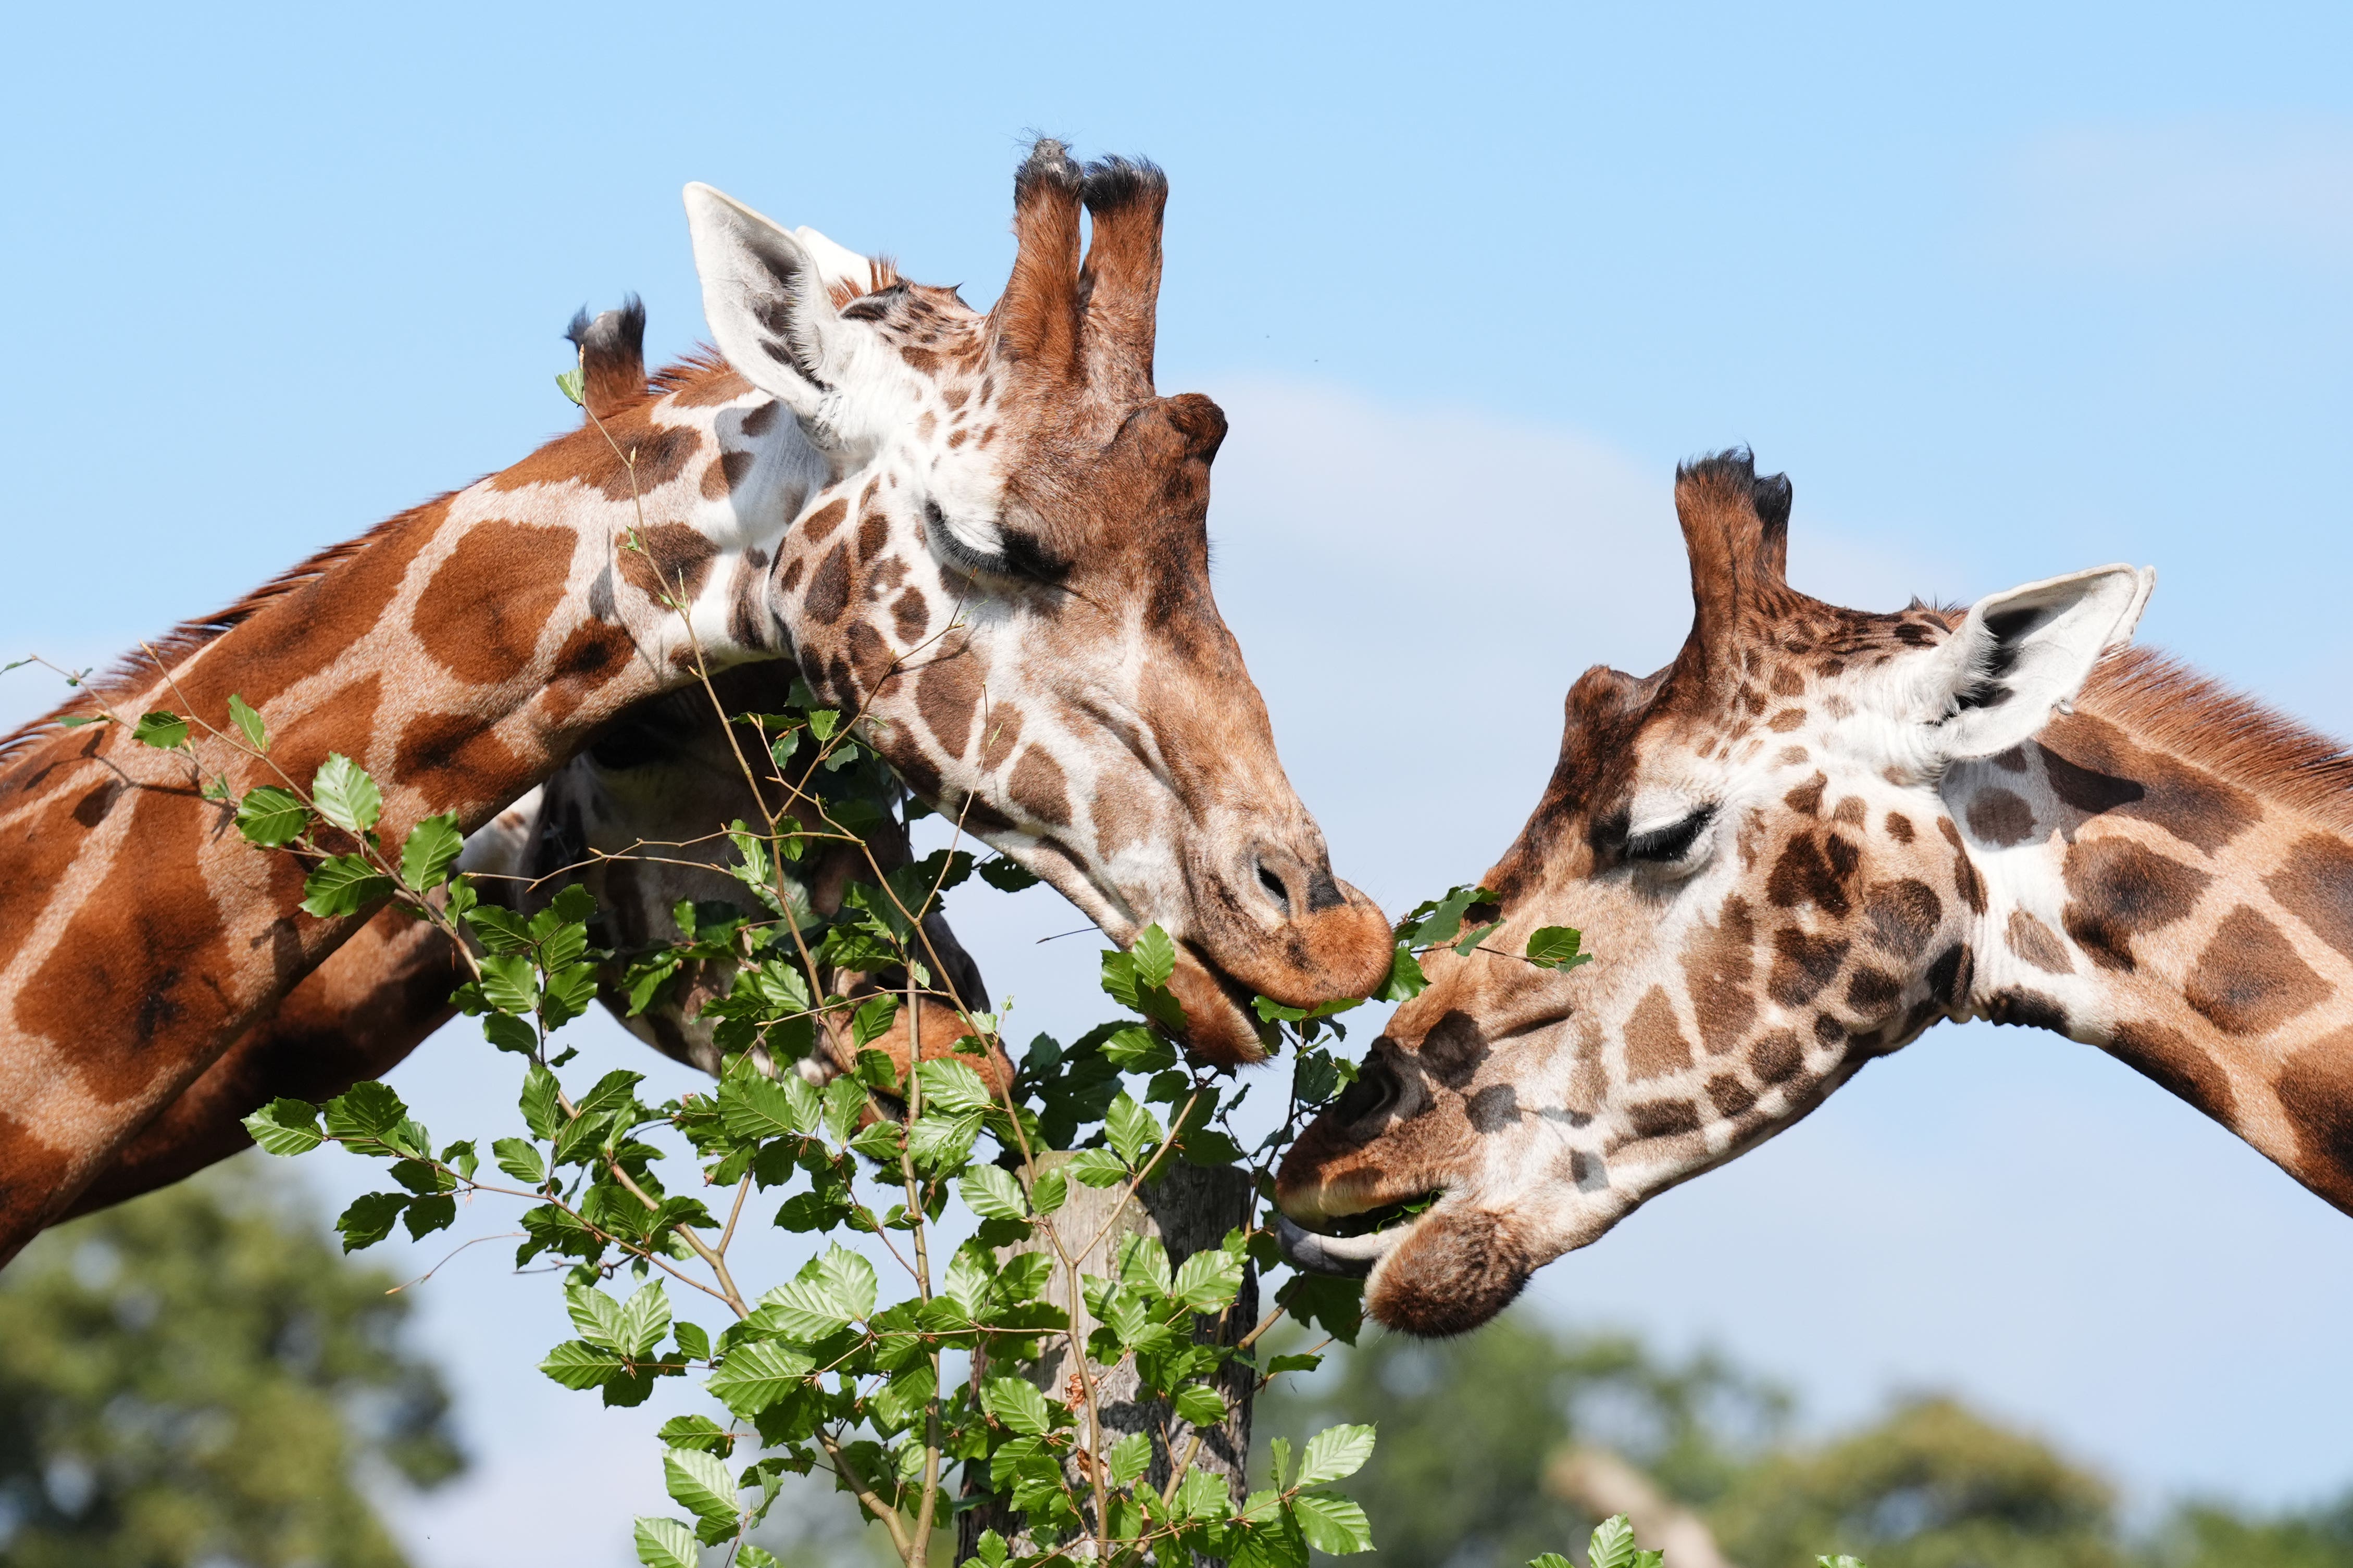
[{"x": 1665, "y": 846}]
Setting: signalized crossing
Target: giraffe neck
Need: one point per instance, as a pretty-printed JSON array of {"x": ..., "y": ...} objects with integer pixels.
[
  {"x": 2162, "y": 880},
  {"x": 460, "y": 652}
]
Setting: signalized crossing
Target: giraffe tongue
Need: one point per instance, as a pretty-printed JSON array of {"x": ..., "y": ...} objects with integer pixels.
[
  {"x": 1347, "y": 1254},
  {"x": 1220, "y": 1028}
]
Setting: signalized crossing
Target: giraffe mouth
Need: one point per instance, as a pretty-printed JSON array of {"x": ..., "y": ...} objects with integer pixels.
[{"x": 1350, "y": 1245}]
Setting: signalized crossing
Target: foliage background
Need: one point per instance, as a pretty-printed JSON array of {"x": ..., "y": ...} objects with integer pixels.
[{"x": 2008, "y": 293}]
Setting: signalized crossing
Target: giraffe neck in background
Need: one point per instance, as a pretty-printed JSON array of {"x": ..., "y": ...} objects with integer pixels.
[{"x": 2178, "y": 915}]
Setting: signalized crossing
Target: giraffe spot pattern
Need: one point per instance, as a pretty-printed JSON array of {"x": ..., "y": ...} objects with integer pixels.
[
  {"x": 2315, "y": 1091},
  {"x": 670, "y": 560},
  {"x": 1965, "y": 873},
  {"x": 481, "y": 613},
  {"x": 1812, "y": 873},
  {"x": 1802, "y": 966},
  {"x": 1899, "y": 827},
  {"x": 1037, "y": 787},
  {"x": 1719, "y": 969},
  {"x": 824, "y": 520},
  {"x": 149, "y": 936},
  {"x": 1776, "y": 1057},
  {"x": 2028, "y": 1010},
  {"x": 2102, "y": 771},
  {"x": 1901, "y": 917},
  {"x": 2000, "y": 817},
  {"x": 1655, "y": 1047},
  {"x": 2119, "y": 890},
  {"x": 947, "y": 695},
  {"x": 2038, "y": 944},
  {"x": 2167, "y": 1057},
  {"x": 828, "y": 589},
  {"x": 2314, "y": 884},
  {"x": 2249, "y": 980}
]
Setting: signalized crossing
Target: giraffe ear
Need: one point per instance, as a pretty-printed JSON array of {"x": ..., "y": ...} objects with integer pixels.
[
  {"x": 764, "y": 292},
  {"x": 2022, "y": 656}
]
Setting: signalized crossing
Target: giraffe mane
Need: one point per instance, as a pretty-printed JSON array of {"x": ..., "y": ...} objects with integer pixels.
[
  {"x": 134, "y": 672},
  {"x": 2171, "y": 707}
]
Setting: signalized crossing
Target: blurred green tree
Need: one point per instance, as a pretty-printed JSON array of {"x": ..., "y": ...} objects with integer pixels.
[
  {"x": 1932, "y": 1486},
  {"x": 1468, "y": 1425},
  {"x": 2213, "y": 1535},
  {"x": 199, "y": 1377}
]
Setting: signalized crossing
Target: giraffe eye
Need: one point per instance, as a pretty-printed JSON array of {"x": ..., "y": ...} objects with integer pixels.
[{"x": 1669, "y": 843}]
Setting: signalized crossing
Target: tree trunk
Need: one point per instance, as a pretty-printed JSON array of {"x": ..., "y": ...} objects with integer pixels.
[{"x": 1189, "y": 1208}]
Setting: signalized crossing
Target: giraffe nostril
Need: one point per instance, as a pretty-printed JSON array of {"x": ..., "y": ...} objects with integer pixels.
[{"x": 1273, "y": 885}]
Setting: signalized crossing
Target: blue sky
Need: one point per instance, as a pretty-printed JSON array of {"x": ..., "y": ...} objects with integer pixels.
[{"x": 2007, "y": 294}]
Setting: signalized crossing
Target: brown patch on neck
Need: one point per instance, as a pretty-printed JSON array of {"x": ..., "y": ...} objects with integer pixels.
[
  {"x": 481, "y": 615},
  {"x": 2165, "y": 707},
  {"x": 1720, "y": 968},
  {"x": 1655, "y": 1047},
  {"x": 2249, "y": 980},
  {"x": 2315, "y": 1091}
]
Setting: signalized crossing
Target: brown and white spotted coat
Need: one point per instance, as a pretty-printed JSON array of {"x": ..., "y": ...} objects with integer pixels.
[
  {"x": 653, "y": 789},
  {"x": 1816, "y": 834},
  {"x": 463, "y": 650}
]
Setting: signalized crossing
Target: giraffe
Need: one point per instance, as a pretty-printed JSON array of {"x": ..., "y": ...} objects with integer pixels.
[
  {"x": 984, "y": 534},
  {"x": 661, "y": 777},
  {"x": 1814, "y": 834}
]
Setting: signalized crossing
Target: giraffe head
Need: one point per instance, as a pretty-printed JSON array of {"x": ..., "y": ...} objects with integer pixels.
[
  {"x": 1753, "y": 845},
  {"x": 1007, "y": 578}
]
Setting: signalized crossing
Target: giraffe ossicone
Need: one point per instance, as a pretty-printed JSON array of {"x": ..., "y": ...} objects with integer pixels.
[
  {"x": 1815, "y": 834},
  {"x": 1047, "y": 668}
]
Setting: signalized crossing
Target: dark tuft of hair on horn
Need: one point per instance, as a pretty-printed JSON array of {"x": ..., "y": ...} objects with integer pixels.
[
  {"x": 612, "y": 355},
  {"x": 1113, "y": 183}
]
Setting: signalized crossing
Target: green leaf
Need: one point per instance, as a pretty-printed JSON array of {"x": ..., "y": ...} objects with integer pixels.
[
  {"x": 952, "y": 1089},
  {"x": 697, "y": 1432},
  {"x": 662, "y": 1542},
  {"x": 246, "y": 719},
  {"x": 521, "y": 1160},
  {"x": 1612, "y": 1545},
  {"x": 1279, "y": 1451},
  {"x": 430, "y": 851},
  {"x": 1335, "y": 1524},
  {"x": 990, "y": 1192},
  {"x": 1405, "y": 979},
  {"x": 1550, "y": 1560},
  {"x": 1840, "y": 1561},
  {"x": 1209, "y": 1280},
  {"x": 161, "y": 730},
  {"x": 1097, "y": 1168},
  {"x": 508, "y": 1032},
  {"x": 1155, "y": 955},
  {"x": 1017, "y": 1405},
  {"x": 1006, "y": 876},
  {"x": 1128, "y": 1457},
  {"x": 343, "y": 885},
  {"x": 757, "y": 1375},
  {"x": 1201, "y": 1404},
  {"x": 1557, "y": 947},
  {"x": 645, "y": 1320},
  {"x": 346, "y": 796},
  {"x": 367, "y": 1110},
  {"x": 849, "y": 1275},
  {"x": 428, "y": 1214},
  {"x": 1129, "y": 1127},
  {"x": 285, "y": 1127},
  {"x": 700, "y": 1483},
  {"x": 1472, "y": 939},
  {"x": 511, "y": 983},
  {"x": 873, "y": 1019},
  {"x": 578, "y": 1364},
  {"x": 1334, "y": 1453},
  {"x": 1048, "y": 1194},
  {"x": 370, "y": 1218},
  {"x": 1137, "y": 1049},
  {"x": 991, "y": 1547},
  {"x": 595, "y": 1315},
  {"x": 1283, "y": 1364},
  {"x": 270, "y": 817},
  {"x": 694, "y": 1344},
  {"x": 540, "y": 1112},
  {"x": 805, "y": 1311},
  {"x": 769, "y": 1108},
  {"x": 573, "y": 384}
]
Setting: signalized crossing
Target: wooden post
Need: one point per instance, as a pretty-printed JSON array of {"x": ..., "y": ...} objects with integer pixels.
[{"x": 1189, "y": 1208}]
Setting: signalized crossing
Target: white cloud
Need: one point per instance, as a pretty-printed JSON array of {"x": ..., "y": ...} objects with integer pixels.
[{"x": 2156, "y": 196}]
